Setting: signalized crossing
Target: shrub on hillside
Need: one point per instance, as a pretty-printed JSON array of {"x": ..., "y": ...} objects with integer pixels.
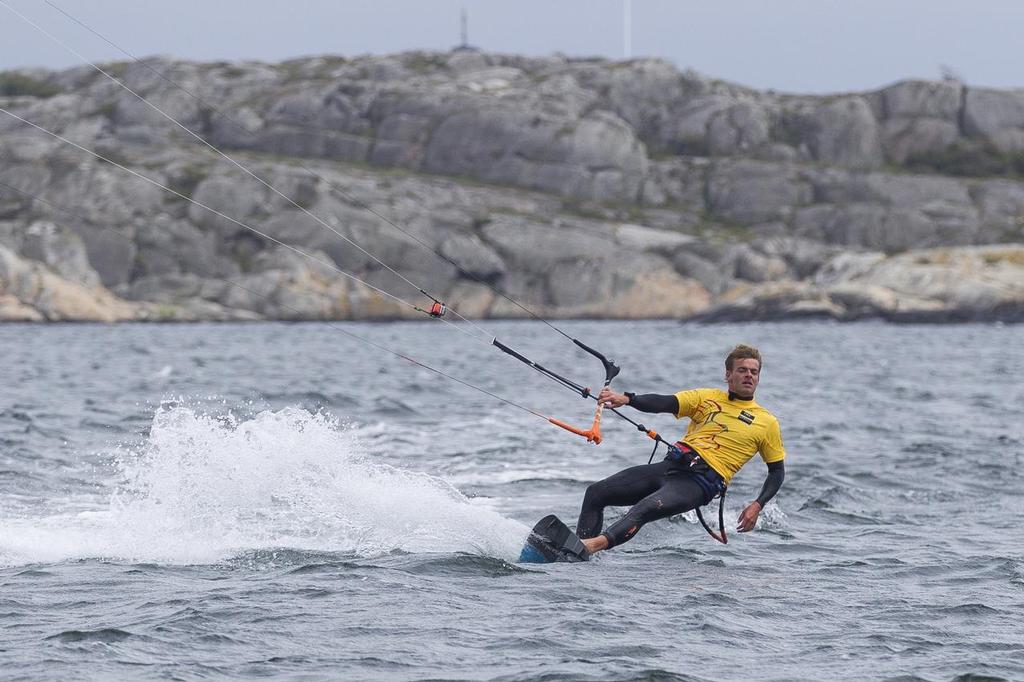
[
  {"x": 969, "y": 158},
  {"x": 13, "y": 84}
]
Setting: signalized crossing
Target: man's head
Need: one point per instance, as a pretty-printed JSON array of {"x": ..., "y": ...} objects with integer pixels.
[{"x": 743, "y": 370}]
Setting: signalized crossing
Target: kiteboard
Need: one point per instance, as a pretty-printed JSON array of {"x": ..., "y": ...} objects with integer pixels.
[{"x": 550, "y": 541}]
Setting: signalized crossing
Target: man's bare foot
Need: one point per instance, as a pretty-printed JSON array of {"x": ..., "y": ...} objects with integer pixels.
[{"x": 596, "y": 544}]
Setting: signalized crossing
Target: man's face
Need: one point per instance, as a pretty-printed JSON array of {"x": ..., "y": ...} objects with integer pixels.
[{"x": 743, "y": 377}]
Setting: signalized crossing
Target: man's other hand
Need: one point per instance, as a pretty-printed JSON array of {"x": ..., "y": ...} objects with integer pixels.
[{"x": 748, "y": 517}]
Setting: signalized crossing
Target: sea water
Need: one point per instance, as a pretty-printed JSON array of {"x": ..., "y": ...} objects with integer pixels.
[{"x": 280, "y": 500}]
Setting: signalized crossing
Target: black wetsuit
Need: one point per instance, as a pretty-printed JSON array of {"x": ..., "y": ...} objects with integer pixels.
[{"x": 659, "y": 490}]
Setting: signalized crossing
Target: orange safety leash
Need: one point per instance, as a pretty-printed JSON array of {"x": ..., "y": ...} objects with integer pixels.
[{"x": 593, "y": 434}]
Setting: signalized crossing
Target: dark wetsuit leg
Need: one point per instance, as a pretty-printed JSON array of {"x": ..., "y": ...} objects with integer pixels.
[
  {"x": 655, "y": 491},
  {"x": 629, "y": 486}
]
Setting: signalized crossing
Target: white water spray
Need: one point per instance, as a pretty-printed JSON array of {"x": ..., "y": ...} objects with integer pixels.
[{"x": 206, "y": 488}]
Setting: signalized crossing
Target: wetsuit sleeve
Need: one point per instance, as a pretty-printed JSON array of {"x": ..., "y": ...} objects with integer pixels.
[
  {"x": 776, "y": 474},
  {"x": 771, "y": 448},
  {"x": 652, "y": 402}
]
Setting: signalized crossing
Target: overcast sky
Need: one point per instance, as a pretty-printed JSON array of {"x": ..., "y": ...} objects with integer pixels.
[{"x": 788, "y": 45}]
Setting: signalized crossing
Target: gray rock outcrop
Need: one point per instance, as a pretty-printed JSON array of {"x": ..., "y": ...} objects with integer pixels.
[
  {"x": 585, "y": 188},
  {"x": 938, "y": 285},
  {"x": 30, "y": 292}
]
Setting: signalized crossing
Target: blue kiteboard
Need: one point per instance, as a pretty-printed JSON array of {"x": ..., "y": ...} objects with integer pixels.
[{"x": 550, "y": 541}]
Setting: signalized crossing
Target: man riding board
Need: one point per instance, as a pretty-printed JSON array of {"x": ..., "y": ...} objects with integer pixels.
[{"x": 726, "y": 429}]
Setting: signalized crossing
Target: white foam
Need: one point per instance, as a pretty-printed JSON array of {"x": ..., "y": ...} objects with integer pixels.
[{"x": 206, "y": 488}]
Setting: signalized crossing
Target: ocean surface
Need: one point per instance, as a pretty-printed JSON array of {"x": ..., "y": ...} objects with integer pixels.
[{"x": 238, "y": 501}]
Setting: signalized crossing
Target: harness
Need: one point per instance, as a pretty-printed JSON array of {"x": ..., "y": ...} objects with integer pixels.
[{"x": 707, "y": 478}]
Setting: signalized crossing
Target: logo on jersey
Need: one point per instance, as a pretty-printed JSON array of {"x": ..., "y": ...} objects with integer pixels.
[{"x": 746, "y": 417}]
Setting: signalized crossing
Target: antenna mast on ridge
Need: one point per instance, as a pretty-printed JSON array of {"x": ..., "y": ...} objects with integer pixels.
[
  {"x": 464, "y": 46},
  {"x": 627, "y": 29}
]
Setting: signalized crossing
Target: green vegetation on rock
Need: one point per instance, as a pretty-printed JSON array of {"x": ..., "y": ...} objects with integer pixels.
[
  {"x": 969, "y": 158},
  {"x": 13, "y": 84}
]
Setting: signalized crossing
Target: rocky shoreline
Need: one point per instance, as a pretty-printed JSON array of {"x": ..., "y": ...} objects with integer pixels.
[{"x": 583, "y": 188}]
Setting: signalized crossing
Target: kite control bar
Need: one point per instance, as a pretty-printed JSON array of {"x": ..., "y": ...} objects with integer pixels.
[{"x": 611, "y": 370}]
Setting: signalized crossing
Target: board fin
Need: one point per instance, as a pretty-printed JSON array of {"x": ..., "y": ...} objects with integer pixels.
[{"x": 550, "y": 541}]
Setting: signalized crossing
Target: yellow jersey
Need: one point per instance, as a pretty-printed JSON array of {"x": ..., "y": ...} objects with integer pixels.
[{"x": 727, "y": 432}]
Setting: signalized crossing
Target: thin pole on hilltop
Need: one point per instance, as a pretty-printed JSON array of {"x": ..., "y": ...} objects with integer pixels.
[{"x": 627, "y": 29}]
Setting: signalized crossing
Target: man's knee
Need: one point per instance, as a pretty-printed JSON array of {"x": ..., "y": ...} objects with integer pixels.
[{"x": 595, "y": 494}]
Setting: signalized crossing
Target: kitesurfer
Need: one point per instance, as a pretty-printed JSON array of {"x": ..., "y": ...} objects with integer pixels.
[{"x": 726, "y": 429}]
